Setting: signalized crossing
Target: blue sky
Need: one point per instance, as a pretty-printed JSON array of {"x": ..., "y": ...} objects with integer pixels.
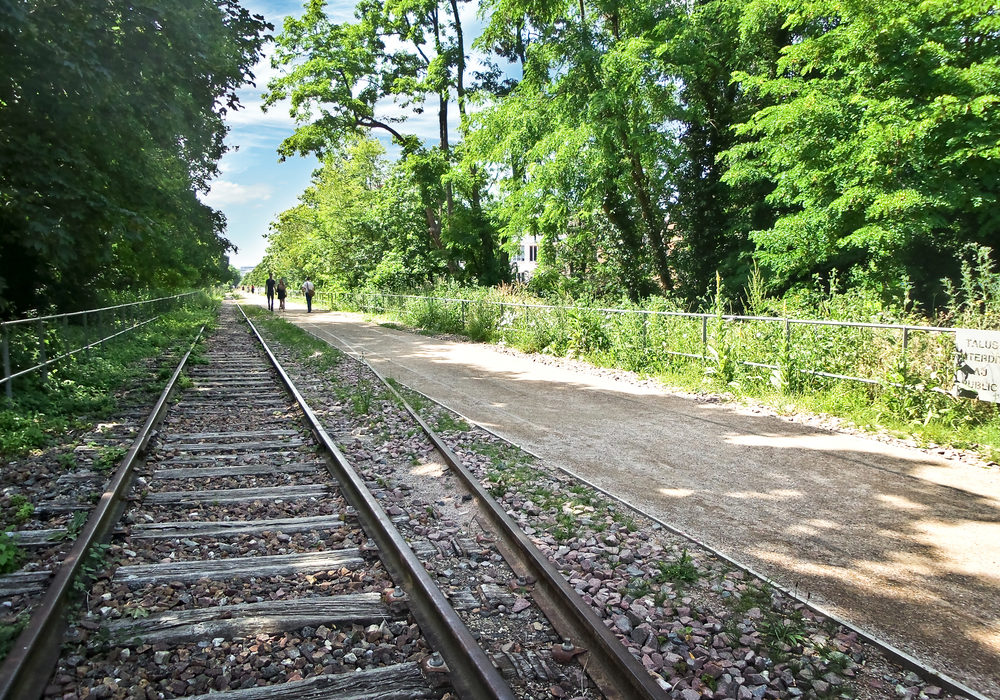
[{"x": 253, "y": 187}]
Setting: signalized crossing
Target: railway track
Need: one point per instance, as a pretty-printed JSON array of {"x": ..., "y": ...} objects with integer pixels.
[
  {"x": 320, "y": 538},
  {"x": 248, "y": 558}
]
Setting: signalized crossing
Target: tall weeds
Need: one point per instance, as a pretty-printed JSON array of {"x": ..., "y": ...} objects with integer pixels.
[{"x": 778, "y": 360}]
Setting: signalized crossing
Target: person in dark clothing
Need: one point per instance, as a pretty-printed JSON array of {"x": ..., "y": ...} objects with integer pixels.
[
  {"x": 270, "y": 292},
  {"x": 282, "y": 290}
]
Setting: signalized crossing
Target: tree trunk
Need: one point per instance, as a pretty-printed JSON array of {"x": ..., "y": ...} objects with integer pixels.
[
  {"x": 652, "y": 216},
  {"x": 631, "y": 250}
]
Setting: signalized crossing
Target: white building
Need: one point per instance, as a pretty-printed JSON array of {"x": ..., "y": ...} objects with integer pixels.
[{"x": 525, "y": 260}]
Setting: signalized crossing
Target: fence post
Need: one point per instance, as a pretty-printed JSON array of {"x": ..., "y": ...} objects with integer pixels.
[
  {"x": 465, "y": 303},
  {"x": 704, "y": 337},
  {"x": 906, "y": 343},
  {"x": 41, "y": 351},
  {"x": 6, "y": 363}
]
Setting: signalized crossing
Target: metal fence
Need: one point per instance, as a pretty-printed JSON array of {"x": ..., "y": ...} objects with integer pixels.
[
  {"x": 838, "y": 350},
  {"x": 34, "y": 344}
]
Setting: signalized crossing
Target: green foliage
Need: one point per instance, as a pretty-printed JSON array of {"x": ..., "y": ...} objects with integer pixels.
[
  {"x": 344, "y": 73},
  {"x": 975, "y": 301},
  {"x": 81, "y": 388},
  {"x": 108, "y": 458},
  {"x": 647, "y": 149},
  {"x": 720, "y": 349},
  {"x": 880, "y": 144},
  {"x": 113, "y": 121},
  {"x": 11, "y": 555},
  {"x": 9, "y": 633},
  {"x": 446, "y": 422},
  {"x": 19, "y": 510},
  {"x": 678, "y": 572},
  {"x": 362, "y": 397},
  {"x": 586, "y": 332},
  {"x": 73, "y": 527},
  {"x": 93, "y": 561}
]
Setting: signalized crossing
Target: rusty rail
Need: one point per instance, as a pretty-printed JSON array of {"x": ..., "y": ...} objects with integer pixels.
[
  {"x": 26, "y": 669},
  {"x": 471, "y": 671}
]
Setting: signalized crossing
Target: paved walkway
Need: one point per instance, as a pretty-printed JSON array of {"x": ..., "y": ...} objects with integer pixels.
[{"x": 902, "y": 544}]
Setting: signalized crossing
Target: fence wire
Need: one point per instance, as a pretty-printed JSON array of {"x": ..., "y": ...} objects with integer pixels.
[
  {"x": 784, "y": 347},
  {"x": 29, "y": 345}
]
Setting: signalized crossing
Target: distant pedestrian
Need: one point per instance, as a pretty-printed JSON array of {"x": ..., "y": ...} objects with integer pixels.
[
  {"x": 308, "y": 288},
  {"x": 282, "y": 291},
  {"x": 270, "y": 292},
  {"x": 253, "y": 289}
]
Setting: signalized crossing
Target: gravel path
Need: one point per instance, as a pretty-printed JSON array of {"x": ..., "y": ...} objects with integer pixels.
[{"x": 903, "y": 543}]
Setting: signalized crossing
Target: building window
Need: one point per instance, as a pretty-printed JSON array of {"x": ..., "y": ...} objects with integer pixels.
[{"x": 532, "y": 253}]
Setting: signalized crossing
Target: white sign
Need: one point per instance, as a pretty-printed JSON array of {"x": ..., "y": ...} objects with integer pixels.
[{"x": 978, "y": 373}]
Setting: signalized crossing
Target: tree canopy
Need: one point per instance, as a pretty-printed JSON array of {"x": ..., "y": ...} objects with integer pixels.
[
  {"x": 111, "y": 123},
  {"x": 654, "y": 144}
]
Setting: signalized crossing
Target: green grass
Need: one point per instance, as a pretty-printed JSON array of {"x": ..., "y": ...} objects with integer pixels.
[
  {"x": 678, "y": 572},
  {"x": 108, "y": 458},
  {"x": 80, "y": 390},
  {"x": 641, "y": 343},
  {"x": 11, "y": 555},
  {"x": 19, "y": 510},
  {"x": 446, "y": 421},
  {"x": 9, "y": 632},
  {"x": 312, "y": 351},
  {"x": 362, "y": 397}
]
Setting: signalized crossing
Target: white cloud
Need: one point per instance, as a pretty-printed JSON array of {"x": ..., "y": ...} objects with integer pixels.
[{"x": 224, "y": 192}]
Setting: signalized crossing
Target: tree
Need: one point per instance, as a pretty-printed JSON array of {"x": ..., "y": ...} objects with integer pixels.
[
  {"x": 110, "y": 123},
  {"x": 340, "y": 76},
  {"x": 881, "y": 141},
  {"x": 356, "y": 224},
  {"x": 700, "y": 46},
  {"x": 602, "y": 108}
]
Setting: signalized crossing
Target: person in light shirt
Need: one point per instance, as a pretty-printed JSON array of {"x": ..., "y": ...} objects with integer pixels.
[{"x": 308, "y": 288}]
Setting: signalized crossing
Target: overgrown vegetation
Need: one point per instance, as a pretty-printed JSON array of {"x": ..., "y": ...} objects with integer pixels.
[
  {"x": 108, "y": 458},
  {"x": 112, "y": 115},
  {"x": 11, "y": 555},
  {"x": 315, "y": 353},
  {"x": 908, "y": 393},
  {"x": 9, "y": 632},
  {"x": 80, "y": 389},
  {"x": 643, "y": 149},
  {"x": 679, "y": 572}
]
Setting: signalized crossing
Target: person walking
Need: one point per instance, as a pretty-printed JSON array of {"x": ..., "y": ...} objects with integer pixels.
[
  {"x": 308, "y": 288},
  {"x": 270, "y": 291},
  {"x": 282, "y": 291}
]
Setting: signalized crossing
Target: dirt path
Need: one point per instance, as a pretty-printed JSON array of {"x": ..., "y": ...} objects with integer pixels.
[{"x": 900, "y": 543}]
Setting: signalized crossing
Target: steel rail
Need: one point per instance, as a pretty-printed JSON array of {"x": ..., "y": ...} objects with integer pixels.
[
  {"x": 26, "y": 669},
  {"x": 617, "y": 673},
  {"x": 471, "y": 671},
  {"x": 904, "y": 659}
]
